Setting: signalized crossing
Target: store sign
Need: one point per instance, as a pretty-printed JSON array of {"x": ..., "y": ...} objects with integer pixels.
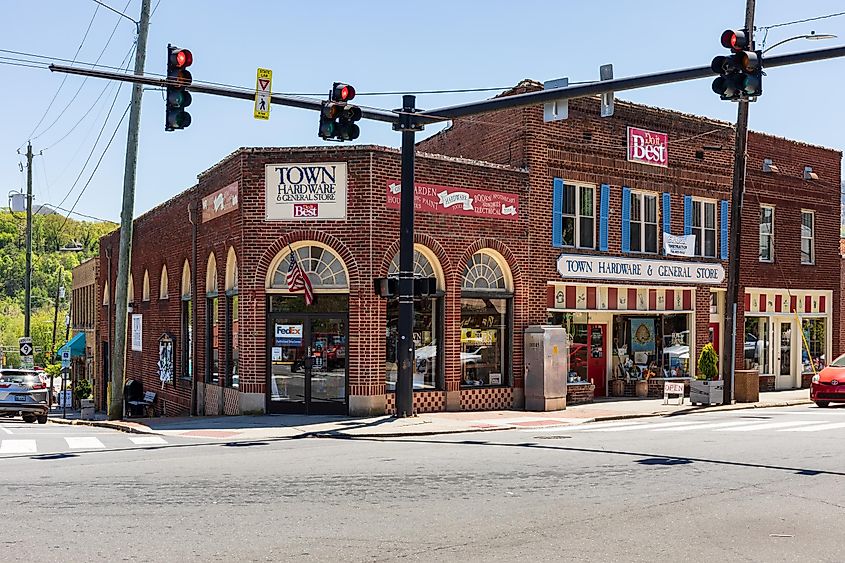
[
  {"x": 457, "y": 201},
  {"x": 648, "y": 147},
  {"x": 220, "y": 202},
  {"x": 305, "y": 191},
  {"x": 679, "y": 245},
  {"x": 289, "y": 335},
  {"x": 137, "y": 330},
  {"x": 637, "y": 271}
]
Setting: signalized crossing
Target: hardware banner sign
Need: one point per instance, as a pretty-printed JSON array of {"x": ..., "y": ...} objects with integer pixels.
[
  {"x": 305, "y": 191},
  {"x": 457, "y": 201},
  {"x": 648, "y": 147},
  {"x": 638, "y": 271},
  {"x": 678, "y": 245}
]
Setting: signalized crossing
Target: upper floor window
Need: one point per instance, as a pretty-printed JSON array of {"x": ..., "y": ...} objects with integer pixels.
[
  {"x": 643, "y": 223},
  {"x": 704, "y": 227},
  {"x": 808, "y": 245},
  {"x": 578, "y": 216},
  {"x": 767, "y": 233}
]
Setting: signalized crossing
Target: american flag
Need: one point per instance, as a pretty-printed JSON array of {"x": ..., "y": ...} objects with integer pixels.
[{"x": 297, "y": 280}]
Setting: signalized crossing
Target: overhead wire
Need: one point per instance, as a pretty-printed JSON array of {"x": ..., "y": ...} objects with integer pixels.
[
  {"x": 62, "y": 83},
  {"x": 84, "y": 79}
]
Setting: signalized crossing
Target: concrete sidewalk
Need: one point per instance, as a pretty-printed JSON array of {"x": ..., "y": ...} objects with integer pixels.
[{"x": 301, "y": 426}]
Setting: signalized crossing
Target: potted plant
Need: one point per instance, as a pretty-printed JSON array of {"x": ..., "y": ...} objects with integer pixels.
[
  {"x": 706, "y": 388},
  {"x": 82, "y": 392}
]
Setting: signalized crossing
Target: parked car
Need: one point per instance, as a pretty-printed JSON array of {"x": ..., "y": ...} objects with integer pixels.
[
  {"x": 828, "y": 385},
  {"x": 23, "y": 393}
]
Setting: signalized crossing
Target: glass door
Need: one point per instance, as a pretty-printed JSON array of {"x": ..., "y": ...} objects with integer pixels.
[
  {"x": 288, "y": 354},
  {"x": 784, "y": 375},
  {"x": 327, "y": 371}
]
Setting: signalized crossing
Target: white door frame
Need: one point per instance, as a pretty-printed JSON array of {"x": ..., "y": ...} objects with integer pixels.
[{"x": 788, "y": 380}]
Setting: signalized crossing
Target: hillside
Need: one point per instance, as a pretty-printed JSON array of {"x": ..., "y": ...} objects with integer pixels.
[{"x": 50, "y": 232}]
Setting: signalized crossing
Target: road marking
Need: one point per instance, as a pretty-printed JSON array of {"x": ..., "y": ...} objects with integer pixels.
[
  {"x": 815, "y": 427},
  {"x": 18, "y": 447},
  {"x": 702, "y": 426},
  {"x": 769, "y": 425},
  {"x": 6, "y": 430},
  {"x": 84, "y": 442},
  {"x": 647, "y": 426},
  {"x": 147, "y": 440}
]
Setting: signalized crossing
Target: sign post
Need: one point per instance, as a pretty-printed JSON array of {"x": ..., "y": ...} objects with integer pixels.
[{"x": 263, "y": 85}]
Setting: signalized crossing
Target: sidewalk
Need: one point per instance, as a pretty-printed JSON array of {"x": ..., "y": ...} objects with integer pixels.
[{"x": 301, "y": 426}]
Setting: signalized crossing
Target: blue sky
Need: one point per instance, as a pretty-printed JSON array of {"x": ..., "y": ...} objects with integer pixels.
[{"x": 376, "y": 46}]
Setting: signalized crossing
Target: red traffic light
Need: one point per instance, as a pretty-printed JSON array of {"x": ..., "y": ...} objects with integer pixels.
[
  {"x": 735, "y": 40},
  {"x": 180, "y": 58},
  {"x": 342, "y": 92}
]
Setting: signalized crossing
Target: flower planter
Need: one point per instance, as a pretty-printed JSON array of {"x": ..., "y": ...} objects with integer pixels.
[
  {"x": 617, "y": 388},
  {"x": 706, "y": 392},
  {"x": 642, "y": 388},
  {"x": 87, "y": 409}
]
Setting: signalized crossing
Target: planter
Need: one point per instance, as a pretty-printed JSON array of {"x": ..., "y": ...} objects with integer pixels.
[
  {"x": 706, "y": 392},
  {"x": 87, "y": 409},
  {"x": 642, "y": 388},
  {"x": 617, "y": 388}
]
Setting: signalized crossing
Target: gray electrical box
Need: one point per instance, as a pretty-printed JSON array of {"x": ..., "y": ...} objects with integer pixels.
[{"x": 546, "y": 366}]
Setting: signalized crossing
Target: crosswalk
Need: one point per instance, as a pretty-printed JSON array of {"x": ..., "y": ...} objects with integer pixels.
[
  {"x": 18, "y": 446},
  {"x": 737, "y": 425}
]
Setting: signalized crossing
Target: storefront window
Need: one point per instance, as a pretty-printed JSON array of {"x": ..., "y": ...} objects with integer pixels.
[
  {"x": 486, "y": 302},
  {"x": 428, "y": 323},
  {"x": 651, "y": 346},
  {"x": 757, "y": 345},
  {"x": 212, "y": 343},
  {"x": 187, "y": 339},
  {"x": 813, "y": 347},
  {"x": 232, "y": 347}
]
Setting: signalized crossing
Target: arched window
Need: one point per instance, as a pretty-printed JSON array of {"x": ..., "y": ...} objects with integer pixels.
[
  {"x": 131, "y": 291},
  {"x": 187, "y": 313},
  {"x": 428, "y": 325},
  {"x": 212, "y": 323},
  {"x": 231, "y": 320},
  {"x": 486, "y": 320},
  {"x": 106, "y": 296},
  {"x": 163, "y": 283},
  {"x": 323, "y": 267},
  {"x": 145, "y": 292}
]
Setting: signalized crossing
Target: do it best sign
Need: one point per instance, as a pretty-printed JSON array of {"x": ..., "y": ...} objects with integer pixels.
[{"x": 648, "y": 147}]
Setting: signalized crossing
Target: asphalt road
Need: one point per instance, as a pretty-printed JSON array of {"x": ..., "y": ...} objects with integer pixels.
[{"x": 753, "y": 485}]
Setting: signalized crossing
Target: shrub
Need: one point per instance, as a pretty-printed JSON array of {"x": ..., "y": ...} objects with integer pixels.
[
  {"x": 83, "y": 389},
  {"x": 708, "y": 362}
]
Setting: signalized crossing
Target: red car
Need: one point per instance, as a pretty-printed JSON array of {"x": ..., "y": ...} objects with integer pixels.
[{"x": 829, "y": 384}]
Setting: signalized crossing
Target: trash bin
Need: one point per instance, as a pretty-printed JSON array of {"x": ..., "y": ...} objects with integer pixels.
[
  {"x": 746, "y": 386},
  {"x": 546, "y": 366},
  {"x": 133, "y": 390}
]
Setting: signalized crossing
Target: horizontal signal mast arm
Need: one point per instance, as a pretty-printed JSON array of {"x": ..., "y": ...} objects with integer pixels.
[{"x": 243, "y": 94}]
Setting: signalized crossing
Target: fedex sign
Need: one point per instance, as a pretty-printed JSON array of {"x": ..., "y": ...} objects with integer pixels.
[{"x": 648, "y": 147}]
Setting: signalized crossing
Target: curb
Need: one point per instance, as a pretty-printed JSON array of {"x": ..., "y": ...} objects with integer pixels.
[{"x": 103, "y": 424}]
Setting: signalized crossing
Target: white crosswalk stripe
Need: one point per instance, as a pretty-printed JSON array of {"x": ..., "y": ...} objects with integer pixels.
[
  {"x": 18, "y": 447},
  {"x": 768, "y": 425},
  {"x": 663, "y": 425},
  {"x": 702, "y": 426},
  {"x": 147, "y": 440},
  {"x": 815, "y": 427},
  {"x": 84, "y": 442}
]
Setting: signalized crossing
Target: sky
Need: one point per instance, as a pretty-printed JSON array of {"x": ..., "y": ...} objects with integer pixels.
[{"x": 377, "y": 46}]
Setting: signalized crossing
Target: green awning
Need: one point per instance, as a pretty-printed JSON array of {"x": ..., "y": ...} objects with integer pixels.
[{"x": 76, "y": 345}]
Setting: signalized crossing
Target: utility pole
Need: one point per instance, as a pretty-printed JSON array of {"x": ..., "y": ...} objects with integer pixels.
[
  {"x": 56, "y": 313},
  {"x": 28, "y": 276},
  {"x": 735, "y": 230},
  {"x": 126, "y": 216}
]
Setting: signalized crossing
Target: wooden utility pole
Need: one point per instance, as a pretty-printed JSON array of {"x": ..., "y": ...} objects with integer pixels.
[
  {"x": 126, "y": 216},
  {"x": 28, "y": 275}
]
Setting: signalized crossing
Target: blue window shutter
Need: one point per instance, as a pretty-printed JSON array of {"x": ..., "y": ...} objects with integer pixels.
[
  {"x": 557, "y": 214},
  {"x": 603, "y": 212},
  {"x": 724, "y": 226},
  {"x": 687, "y": 214},
  {"x": 667, "y": 213},
  {"x": 626, "y": 219}
]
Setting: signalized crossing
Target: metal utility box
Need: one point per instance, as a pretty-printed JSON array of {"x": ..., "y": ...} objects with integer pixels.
[{"x": 546, "y": 366}]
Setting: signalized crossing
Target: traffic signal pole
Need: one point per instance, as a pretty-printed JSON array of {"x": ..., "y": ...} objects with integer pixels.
[
  {"x": 735, "y": 230},
  {"x": 118, "y": 358},
  {"x": 408, "y": 120}
]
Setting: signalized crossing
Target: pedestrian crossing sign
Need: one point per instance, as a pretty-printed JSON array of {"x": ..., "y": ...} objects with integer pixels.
[{"x": 263, "y": 88}]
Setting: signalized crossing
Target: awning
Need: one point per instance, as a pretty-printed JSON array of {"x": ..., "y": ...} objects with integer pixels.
[{"x": 76, "y": 345}]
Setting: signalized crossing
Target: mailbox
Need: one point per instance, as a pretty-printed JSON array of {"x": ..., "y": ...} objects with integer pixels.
[{"x": 546, "y": 367}]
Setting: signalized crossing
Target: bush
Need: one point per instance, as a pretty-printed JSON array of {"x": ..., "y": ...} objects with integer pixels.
[
  {"x": 82, "y": 390},
  {"x": 708, "y": 363}
]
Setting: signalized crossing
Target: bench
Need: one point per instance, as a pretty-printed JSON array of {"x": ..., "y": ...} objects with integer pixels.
[{"x": 145, "y": 405}]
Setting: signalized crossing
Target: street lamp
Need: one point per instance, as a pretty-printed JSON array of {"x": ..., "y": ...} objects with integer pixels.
[{"x": 811, "y": 37}]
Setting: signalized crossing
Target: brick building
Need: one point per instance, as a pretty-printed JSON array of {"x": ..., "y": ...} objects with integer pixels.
[
  {"x": 84, "y": 311},
  {"x": 520, "y": 222}
]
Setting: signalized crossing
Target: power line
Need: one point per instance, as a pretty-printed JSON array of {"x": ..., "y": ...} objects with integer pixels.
[
  {"x": 84, "y": 37},
  {"x": 801, "y": 21},
  {"x": 107, "y": 7},
  {"x": 50, "y": 205},
  {"x": 85, "y": 79},
  {"x": 97, "y": 166}
]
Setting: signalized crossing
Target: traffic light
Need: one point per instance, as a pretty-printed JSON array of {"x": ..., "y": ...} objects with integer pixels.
[
  {"x": 178, "y": 97},
  {"x": 741, "y": 72},
  {"x": 338, "y": 116}
]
